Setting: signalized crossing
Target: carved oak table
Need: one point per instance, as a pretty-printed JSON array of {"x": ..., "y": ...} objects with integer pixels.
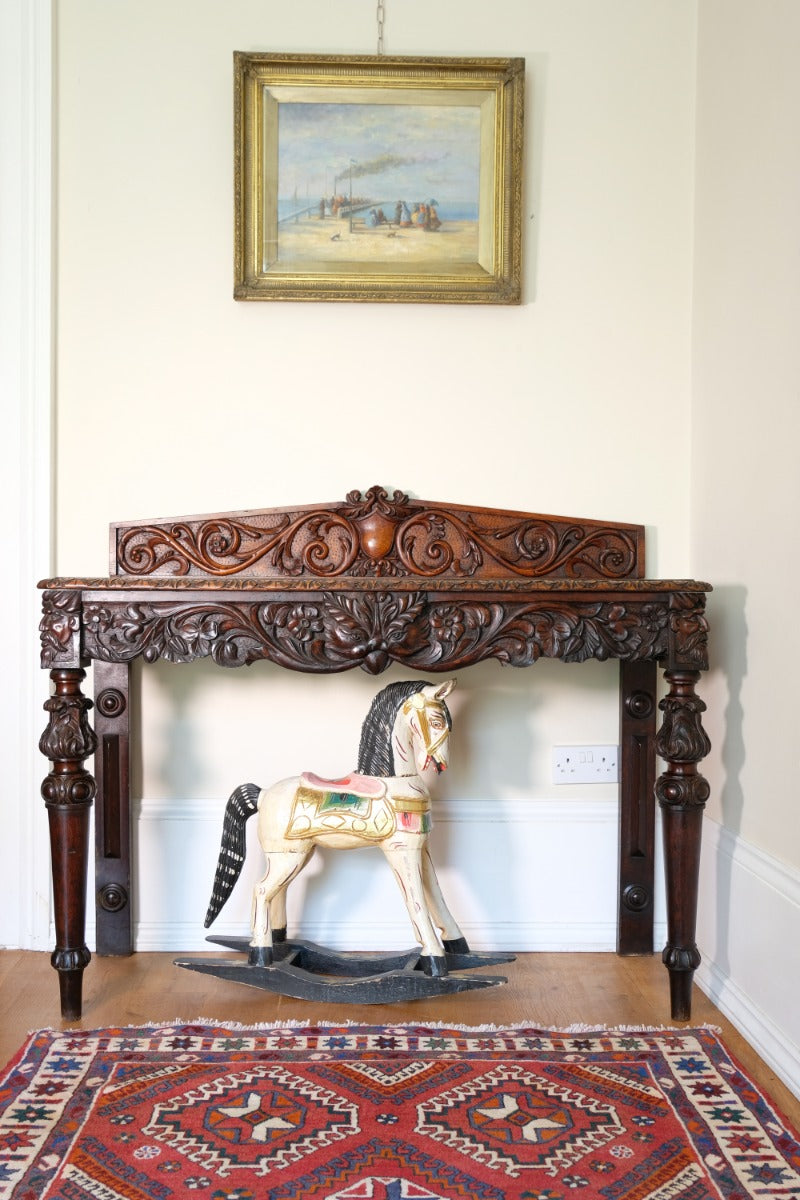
[{"x": 363, "y": 583}]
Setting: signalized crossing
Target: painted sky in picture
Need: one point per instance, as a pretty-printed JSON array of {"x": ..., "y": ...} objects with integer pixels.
[{"x": 396, "y": 151}]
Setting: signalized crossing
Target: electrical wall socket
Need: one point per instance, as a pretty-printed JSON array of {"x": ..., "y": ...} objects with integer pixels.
[{"x": 586, "y": 764}]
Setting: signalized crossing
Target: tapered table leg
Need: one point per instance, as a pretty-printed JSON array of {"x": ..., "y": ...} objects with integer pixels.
[
  {"x": 682, "y": 792},
  {"x": 68, "y": 791}
]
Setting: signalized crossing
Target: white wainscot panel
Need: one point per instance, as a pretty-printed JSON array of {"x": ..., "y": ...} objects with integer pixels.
[
  {"x": 517, "y": 874},
  {"x": 748, "y": 922}
]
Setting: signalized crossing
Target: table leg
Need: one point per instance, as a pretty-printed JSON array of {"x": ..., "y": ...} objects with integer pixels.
[
  {"x": 68, "y": 791},
  {"x": 637, "y": 808},
  {"x": 682, "y": 792}
]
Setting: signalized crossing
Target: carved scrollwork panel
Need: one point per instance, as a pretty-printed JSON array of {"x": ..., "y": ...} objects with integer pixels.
[
  {"x": 380, "y": 536},
  {"x": 336, "y": 631}
]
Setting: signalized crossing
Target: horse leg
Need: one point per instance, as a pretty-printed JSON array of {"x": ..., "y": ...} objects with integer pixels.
[
  {"x": 277, "y": 915},
  {"x": 405, "y": 859},
  {"x": 282, "y": 866},
  {"x": 453, "y": 939}
]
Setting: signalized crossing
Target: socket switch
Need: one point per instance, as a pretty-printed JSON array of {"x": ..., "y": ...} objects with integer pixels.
[{"x": 586, "y": 764}]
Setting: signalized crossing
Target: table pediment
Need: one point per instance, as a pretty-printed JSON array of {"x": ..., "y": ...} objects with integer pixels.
[{"x": 378, "y": 535}]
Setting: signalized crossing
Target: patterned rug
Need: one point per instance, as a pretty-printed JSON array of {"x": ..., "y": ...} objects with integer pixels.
[{"x": 395, "y": 1112}]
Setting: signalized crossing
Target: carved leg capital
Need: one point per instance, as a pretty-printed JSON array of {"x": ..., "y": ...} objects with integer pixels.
[
  {"x": 682, "y": 793},
  {"x": 68, "y": 791}
]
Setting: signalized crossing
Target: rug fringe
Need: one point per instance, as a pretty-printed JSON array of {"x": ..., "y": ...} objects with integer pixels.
[{"x": 291, "y": 1023}]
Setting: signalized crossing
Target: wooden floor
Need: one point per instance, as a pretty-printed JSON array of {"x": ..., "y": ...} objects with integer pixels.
[{"x": 549, "y": 990}]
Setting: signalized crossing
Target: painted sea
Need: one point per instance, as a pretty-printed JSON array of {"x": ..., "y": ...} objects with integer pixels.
[{"x": 456, "y": 210}]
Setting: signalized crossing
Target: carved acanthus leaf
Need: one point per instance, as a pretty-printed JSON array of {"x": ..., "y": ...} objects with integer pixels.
[{"x": 336, "y": 631}]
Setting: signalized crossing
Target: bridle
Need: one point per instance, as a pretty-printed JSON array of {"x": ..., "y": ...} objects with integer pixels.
[{"x": 432, "y": 742}]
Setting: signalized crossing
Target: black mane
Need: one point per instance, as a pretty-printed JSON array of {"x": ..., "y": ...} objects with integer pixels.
[{"x": 375, "y": 756}]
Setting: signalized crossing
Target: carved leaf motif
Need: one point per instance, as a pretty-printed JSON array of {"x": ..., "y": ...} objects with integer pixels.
[
  {"x": 217, "y": 547},
  {"x": 682, "y": 738},
  {"x": 520, "y": 634},
  {"x": 366, "y": 629},
  {"x": 337, "y": 631},
  {"x": 68, "y": 735},
  {"x": 538, "y": 548}
]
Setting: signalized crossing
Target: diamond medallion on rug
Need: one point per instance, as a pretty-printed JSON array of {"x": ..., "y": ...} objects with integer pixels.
[{"x": 351, "y": 1112}]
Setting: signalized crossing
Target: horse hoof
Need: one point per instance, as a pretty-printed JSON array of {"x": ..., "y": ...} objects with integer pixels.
[
  {"x": 259, "y": 956},
  {"x": 456, "y": 946},
  {"x": 278, "y": 935},
  {"x": 433, "y": 965}
]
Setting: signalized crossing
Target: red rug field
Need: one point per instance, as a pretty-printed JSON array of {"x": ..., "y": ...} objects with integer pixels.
[{"x": 393, "y": 1112}]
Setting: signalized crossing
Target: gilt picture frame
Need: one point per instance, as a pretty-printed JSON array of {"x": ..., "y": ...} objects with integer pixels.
[{"x": 378, "y": 178}]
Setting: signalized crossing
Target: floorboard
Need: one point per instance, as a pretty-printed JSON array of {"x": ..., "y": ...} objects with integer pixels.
[{"x": 548, "y": 990}]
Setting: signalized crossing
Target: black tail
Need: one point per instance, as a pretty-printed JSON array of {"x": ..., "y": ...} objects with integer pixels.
[{"x": 241, "y": 806}]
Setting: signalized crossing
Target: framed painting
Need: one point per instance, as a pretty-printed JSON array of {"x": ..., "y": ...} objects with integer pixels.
[{"x": 378, "y": 178}]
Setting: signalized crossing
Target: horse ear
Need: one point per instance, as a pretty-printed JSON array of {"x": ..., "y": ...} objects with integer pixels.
[{"x": 444, "y": 690}]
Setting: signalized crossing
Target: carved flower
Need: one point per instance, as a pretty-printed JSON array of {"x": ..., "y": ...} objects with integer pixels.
[
  {"x": 621, "y": 622},
  {"x": 653, "y": 617},
  {"x": 96, "y": 618},
  {"x": 447, "y": 624},
  {"x": 304, "y": 622},
  {"x": 300, "y": 621}
]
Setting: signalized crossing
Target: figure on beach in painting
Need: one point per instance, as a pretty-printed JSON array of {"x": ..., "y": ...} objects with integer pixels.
[{"x": 385, "y": 803}]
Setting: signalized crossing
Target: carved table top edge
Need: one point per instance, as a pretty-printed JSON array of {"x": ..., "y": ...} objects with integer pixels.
[{"x": 446, "y": 584}]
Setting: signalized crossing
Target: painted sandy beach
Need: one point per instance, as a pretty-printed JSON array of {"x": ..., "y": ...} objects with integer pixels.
[{"x": 329, "y": 241}]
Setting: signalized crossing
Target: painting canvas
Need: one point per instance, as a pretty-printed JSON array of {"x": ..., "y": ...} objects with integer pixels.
[
  {"x": 372, "y": 182},
  {"x": 369, "y": 180}
]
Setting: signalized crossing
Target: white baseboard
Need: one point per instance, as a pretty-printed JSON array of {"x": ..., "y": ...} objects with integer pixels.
[{"x": 754, "y": 976}]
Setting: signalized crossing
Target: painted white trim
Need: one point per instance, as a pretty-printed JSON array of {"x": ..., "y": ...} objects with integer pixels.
[
  {"x": 753, "y": 980},
  {"x": 514, "y": 936},
  {"x": 26, "y": 369},
  {"x": 481, "y": 812}
]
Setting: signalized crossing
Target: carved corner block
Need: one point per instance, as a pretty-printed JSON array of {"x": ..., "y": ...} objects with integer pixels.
[
  {"x": 60, "y": 629},
  {"x": 688, "y": 631}
]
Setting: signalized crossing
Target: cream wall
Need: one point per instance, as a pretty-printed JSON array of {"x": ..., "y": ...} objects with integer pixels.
[
  {"x": 745, "y": 502},
  {"x": 746, "y": 416},
  {"x": 184, "y": 401},
  {"x": 175, "y": 399}
]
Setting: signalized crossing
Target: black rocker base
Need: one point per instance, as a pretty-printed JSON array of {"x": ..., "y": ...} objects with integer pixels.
[{"x": 309, "y": 972}]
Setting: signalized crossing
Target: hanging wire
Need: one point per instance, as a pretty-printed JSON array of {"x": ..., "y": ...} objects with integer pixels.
[{"x": 381, "y": 17}]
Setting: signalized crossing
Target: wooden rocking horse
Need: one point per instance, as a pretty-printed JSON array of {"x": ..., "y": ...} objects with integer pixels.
[{"x": 385, "y": 803}]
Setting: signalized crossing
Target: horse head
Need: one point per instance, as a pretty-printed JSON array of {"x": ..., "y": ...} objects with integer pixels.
[{"x": 428, "y": 720}]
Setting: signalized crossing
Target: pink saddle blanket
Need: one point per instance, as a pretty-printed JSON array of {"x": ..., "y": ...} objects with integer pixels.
[{"x": 355, "y": 785}]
